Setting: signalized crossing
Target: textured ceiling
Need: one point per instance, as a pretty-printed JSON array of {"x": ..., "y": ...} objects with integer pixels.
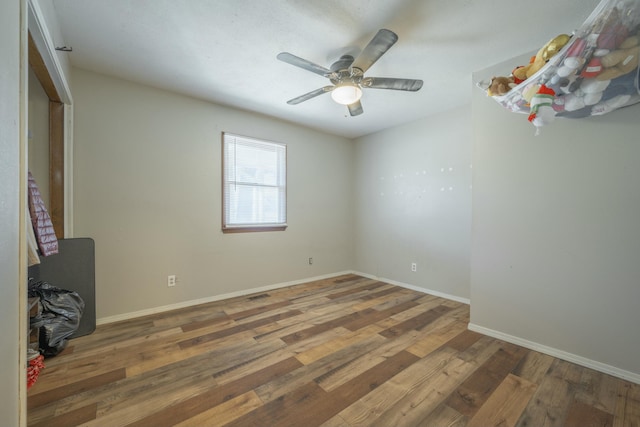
[{"x": 225, "y": 51}]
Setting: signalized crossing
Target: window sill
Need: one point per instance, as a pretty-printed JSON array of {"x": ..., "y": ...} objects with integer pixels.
[{"x": 253, "y": 229}]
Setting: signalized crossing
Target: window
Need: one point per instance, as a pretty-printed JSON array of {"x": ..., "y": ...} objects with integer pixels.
[{"x": 254, "y": 184}]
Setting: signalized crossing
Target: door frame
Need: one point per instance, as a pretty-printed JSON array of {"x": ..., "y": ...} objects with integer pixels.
[{"x": 43, "y": 60}]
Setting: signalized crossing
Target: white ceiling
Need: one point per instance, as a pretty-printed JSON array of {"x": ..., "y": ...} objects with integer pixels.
[{"x": 225, "y": 51}]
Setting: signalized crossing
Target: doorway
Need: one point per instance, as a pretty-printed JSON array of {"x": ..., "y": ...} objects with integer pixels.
[{"x": 46, "y": 137}]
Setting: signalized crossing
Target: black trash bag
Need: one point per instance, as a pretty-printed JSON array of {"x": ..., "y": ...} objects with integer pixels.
[{"x": 60, "y": 317}]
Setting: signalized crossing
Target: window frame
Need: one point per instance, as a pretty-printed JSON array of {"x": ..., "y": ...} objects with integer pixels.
[{"x": 251, "y": 227}]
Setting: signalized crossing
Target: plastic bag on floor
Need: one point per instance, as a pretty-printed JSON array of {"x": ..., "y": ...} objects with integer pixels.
[{"x": 60, "y": 317}]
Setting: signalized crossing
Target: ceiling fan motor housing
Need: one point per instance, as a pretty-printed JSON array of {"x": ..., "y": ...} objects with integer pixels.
[
  {"x": 342, "y": 73},
  {"x": 343, "y": 63}
]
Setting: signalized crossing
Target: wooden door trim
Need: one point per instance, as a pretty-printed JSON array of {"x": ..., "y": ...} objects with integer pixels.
[
  {"x": 56, "y": 167},
  {"x": 56, "y": 138},
  {"x": 41, "y": 71}
]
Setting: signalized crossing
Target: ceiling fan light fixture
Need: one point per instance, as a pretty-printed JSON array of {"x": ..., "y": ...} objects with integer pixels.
[{"x": 346, "y": 94}]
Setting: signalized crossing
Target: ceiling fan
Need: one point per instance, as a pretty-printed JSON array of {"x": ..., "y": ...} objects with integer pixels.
[{"x": 347, "y": 74}]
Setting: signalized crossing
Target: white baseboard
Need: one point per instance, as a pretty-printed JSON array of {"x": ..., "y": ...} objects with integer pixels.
[
  {"x": 416, "y": 288},
  {"x": 155, "y": 310},
  {"x": 569, "y": 357},
  {"x": 161, "y": 309}
]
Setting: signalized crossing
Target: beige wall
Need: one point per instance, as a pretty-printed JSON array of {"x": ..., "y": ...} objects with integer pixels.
[
  {"x": 147, "y": 189},
  {"x": 556, "y": 237},
  {"x": 413, "y": 203}
]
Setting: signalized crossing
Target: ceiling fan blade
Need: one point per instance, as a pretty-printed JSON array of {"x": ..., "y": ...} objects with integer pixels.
[
  {"x": 380, "y": 43},
  {"x": 390, "y": 83},
  {"x": 303, "y": 63},
  {"x": 312, "y": 94},
  {"x": 355, "y": 109}
]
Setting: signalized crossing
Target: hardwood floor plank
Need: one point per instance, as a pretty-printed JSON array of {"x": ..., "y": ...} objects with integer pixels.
[
  {"x": 551, "y": 401},
  {"x": 307, "y": 405},
  {"x": 348, "y": 278},
  {"x": 506, "y": 404},
  {"x": 51, "y": 395},
  {"x": 399, "y": 318},
  {"x": 185, "y": 316},
  {"x": 248, "y": 303},
  {"x": 73, "y": 418},
  {"x": 213, "y": 397},
  {"x": 257, "y": 361},
  {"x": 313, "y": 341},
  {"x": 88, "y": 364},
  {"x": 168, "y": 382},
  {"x": 116, "y": 347},
  {"x": 423, "y": 395},
  {"x": 314, "y": 406},
  {"x": 115, "y": 332},
  {"x": 165, "y": 387},
  {"x": 62, "y": 375},
  {"x": 583, "y": 415},
  {"x": 228, "y": 358},
  {"x": 383, "y": 302},
  {"x": 372, "y": 315},
  {"x": 324, "y": 310},
  {"x": 157, "y": 358},
  {"x": 192, "y": 326},
  {"x": 444, "y": 416},
  {"x": 533, "y": 366},
  {"x": 248, "y": 364},
  {"x": 417, "y": 322},
  {"x": 474, "y": 392},
  {"x": 598, "y": 390},
  {"x": 371, "y": 379},
  {"x": 239, "y": 315},
  {"x": 309, "y": 373},
  {"x": 264, "y": 318},
  {"x": 369, "y": 408},
  {"x": 437, "y": 338},
  {"x": 225, "y": 412},
  {"x": 124, "y": 412},
  {"x": 280, "y": 329},
  {"x": 152, "y": 390},
  {"x": 319, "y": 328},
  {"x": 391, "y": 290},
  {"x": 357, "y": 365},
  {"x": 309, "y": 356},
  {"x": 464, "y": 340},
  {"x": 415, "y": 407},
  {"x": 627, "y": 411},
  {"x": 632, "y": 410},
  {"x": 361, "y": 305},
  {"x": 335, "y": 421},
  {"x": 362, "y": 288},
  {"x": 322, "y": 290},
  {"x": 336, "y": 376},
  {"x": 236, "y": 329}
]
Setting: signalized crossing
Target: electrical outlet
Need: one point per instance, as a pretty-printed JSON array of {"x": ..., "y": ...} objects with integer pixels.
[
  {"x": 171, "y": 280},
  {"x": 310, "y": 261},
  {"x": 414, "y": 266}
]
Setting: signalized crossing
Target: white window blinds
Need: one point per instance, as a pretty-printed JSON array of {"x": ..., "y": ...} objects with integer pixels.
[{"x": 254, "y": 184}]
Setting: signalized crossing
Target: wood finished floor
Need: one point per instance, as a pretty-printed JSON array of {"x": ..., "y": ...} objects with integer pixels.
[{"x": 346, "y": 351}]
